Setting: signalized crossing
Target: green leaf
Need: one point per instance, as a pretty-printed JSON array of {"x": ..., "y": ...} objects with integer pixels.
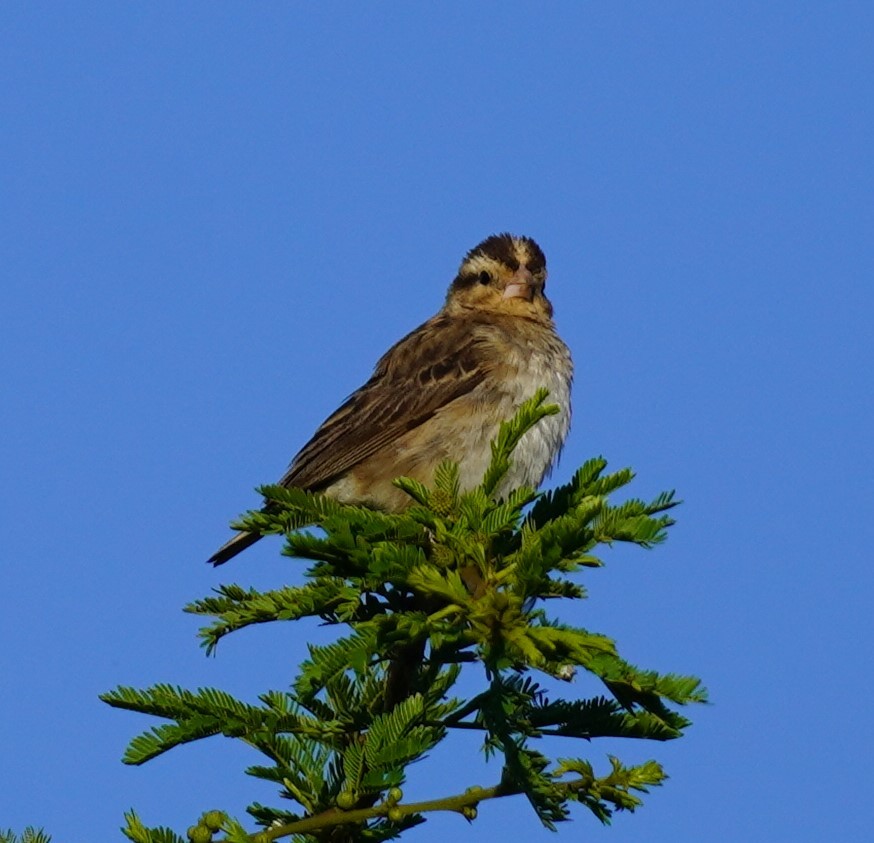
[
  {"x": 29, "y": 835},
  {"x": 236, "y": 608},
  {"x": 510, "y": 432},
  {"x": 611, "y": 792},
  {"x": 136, "y": 831},
  {"x": 419, "y": 492},
  {"x": 353, "y": 652},
  {"x": 456, "y": 579}
]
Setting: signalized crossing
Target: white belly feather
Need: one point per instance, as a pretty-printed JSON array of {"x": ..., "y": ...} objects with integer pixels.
[{"x": 539, "y": 448}]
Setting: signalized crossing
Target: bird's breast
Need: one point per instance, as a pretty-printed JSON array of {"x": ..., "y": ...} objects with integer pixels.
[
  {"x": 520, "y": 358},
  {"x": 516, "y": 363},
  {"x": 542, "y": 361}
]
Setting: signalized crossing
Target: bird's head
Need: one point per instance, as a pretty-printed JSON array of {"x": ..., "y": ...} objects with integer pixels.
[{"x": 503, "y": 274}]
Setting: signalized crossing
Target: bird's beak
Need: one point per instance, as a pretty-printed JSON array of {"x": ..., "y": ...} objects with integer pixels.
[{"x": 521, "y": 286}]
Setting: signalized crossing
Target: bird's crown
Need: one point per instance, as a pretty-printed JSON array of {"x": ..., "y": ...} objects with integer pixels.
[{"x": 511, "y": 250}]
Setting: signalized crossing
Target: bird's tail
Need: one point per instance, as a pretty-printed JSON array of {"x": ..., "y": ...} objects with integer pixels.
[{"x": 232, "y": 547}]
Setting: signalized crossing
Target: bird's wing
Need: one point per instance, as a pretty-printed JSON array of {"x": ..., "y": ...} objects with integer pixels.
[{"x": 429, "y": 368}]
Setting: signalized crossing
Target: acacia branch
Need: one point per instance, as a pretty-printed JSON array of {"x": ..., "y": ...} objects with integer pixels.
[{"x": 469, "y": 799}]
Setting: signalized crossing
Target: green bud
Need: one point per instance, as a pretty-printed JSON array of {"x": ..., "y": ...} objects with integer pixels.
[
  {"x": 199, "y": 834},
  {"x": 394, "y": 796},
  {"x": 441, "y": 502},
  {"x": 469, "y": 812},
  {"x": 213, "y": 820},
  {"x": 395, "y": 814},
  {"x": 346, "y": 800}
]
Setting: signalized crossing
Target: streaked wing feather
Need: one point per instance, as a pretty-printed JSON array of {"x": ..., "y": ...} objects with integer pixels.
[{"x": 428, "y": 369}]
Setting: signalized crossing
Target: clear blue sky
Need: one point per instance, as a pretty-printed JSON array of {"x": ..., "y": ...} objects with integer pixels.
[{"x": 215, "y": 217}]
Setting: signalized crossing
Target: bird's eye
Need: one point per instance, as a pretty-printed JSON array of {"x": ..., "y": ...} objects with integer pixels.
[{"x": 485, "y": 278}]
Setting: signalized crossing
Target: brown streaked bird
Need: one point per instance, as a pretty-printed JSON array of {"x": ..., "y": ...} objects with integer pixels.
[{"x": 443, "y": 390}]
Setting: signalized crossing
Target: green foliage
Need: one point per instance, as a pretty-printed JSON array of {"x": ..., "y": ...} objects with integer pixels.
[
  {"x": 29, "y": 835},
  {"x": 457, "y": 582},
  {"x": 136, "y": 831}
]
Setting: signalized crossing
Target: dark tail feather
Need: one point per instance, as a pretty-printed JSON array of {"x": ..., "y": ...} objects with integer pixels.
[{"x": 232, "y": 547}]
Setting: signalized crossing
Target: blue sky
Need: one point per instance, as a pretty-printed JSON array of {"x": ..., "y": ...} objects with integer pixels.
[{"x": 215, "y": 217}]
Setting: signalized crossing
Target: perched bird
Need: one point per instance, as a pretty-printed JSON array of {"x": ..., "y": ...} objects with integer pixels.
[{"x": 443, "y": 390}]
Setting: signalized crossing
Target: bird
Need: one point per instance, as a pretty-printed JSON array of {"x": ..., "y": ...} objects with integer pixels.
[{"x": 443, "y": 390}]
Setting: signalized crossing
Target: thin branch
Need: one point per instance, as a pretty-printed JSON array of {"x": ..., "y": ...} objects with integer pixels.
[{"x": 469, "y": 799}]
